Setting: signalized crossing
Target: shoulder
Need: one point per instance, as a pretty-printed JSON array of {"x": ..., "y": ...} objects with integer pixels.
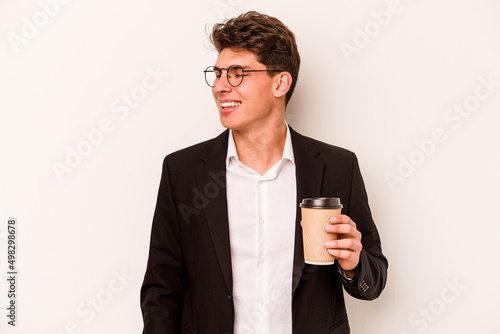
[
  {"x": 194, "y": 154},
  {"x": 321, "y": 150}
]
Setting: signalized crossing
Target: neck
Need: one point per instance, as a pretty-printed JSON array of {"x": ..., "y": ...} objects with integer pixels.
[{"x": 262, "y": 148}]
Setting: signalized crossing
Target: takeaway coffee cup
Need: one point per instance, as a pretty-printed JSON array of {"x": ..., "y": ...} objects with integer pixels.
[{"x": 316, "y": 213}]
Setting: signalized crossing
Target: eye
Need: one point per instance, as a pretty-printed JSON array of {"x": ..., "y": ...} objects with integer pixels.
[{"x": 237, "y": 72}]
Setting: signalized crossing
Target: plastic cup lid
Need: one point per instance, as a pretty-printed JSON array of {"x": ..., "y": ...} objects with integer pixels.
[{"x": 321, "y": 203}]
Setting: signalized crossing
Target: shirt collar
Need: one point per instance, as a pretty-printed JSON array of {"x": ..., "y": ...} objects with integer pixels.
[{"x": 232, "y": 154}]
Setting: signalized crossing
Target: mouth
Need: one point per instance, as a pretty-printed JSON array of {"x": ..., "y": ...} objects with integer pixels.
[{"x": 229, "y": 106}]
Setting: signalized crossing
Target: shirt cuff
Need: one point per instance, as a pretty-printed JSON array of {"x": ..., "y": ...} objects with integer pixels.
[{"x": 342, "y": 272}]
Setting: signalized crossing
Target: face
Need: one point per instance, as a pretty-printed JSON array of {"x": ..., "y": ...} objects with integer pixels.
[{"x": 253, "y": 103}]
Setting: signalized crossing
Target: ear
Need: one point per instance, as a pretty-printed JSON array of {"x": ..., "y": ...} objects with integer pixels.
[{"x": 283, "y": 83}]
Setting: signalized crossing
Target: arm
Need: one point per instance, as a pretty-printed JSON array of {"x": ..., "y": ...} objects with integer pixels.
[
  {"x": 358, "y": 250},
  {"x": 162, "y": 292}
]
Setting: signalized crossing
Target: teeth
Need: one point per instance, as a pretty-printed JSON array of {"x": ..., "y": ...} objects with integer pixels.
[{"x": 230, "y": 104}]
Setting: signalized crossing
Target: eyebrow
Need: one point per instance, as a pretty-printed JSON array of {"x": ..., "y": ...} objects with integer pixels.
[{"x": 242, "y": 66}]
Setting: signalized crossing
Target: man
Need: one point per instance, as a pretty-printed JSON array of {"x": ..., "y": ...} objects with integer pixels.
[{"x": 226, "y": 253}]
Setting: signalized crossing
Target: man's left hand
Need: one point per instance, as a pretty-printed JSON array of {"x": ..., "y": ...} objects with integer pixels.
[{"x": 347, "y": 247}]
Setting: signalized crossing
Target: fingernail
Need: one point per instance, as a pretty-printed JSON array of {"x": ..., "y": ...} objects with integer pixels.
[{"x": 333, "y": 219}]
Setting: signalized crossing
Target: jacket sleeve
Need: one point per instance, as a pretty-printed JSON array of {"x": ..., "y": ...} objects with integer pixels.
[
  {"x": 371, "y": 272},
  {"x": 162, "y": 291}
]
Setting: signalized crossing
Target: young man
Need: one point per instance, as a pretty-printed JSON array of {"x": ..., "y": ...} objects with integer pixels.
[{"x": 226, "y": 253}]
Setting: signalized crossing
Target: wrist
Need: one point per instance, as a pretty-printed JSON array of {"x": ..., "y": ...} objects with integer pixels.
[{"x": 350, "y": 273}]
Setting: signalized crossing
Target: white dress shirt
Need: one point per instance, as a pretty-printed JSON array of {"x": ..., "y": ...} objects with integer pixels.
[{"x": 261, "y": 212}]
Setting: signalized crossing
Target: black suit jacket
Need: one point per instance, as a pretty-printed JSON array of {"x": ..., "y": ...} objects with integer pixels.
[{"x": 187, "y": 287}]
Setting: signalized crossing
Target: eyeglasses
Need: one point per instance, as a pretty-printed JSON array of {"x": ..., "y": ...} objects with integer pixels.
[{"x": 234, "y": 74}]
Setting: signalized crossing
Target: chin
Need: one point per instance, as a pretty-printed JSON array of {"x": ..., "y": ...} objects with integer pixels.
[
  {"x": 228, "y": 121},
  {"x": 228, "y": 125}
]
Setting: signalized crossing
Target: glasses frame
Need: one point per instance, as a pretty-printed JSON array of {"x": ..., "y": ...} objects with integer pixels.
[{"x": 212, "y": 68}]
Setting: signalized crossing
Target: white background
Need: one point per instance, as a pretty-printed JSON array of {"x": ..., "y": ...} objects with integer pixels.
[{"x": 79, "y": 231}]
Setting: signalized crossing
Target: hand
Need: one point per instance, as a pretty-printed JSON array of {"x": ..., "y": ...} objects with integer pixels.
[{"x": 347, "y": 247}]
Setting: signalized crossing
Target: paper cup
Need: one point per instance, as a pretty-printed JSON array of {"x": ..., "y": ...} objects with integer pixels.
[{"x": 316, "y": 213}]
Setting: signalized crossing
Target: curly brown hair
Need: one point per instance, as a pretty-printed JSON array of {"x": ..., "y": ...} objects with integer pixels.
[{"x": 267, "y": 37}]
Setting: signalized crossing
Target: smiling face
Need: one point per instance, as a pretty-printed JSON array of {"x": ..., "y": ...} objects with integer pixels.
[{"x": 254, "y": 103}]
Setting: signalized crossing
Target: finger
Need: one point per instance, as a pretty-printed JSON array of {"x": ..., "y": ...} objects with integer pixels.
[
  {"x": 339, "y": 228},
  {"x": 342, "y": 219},
  {"x": 345, "y": 244},
  {"x": 344, "y": 229},
  {"x": 341, "y": 254}
]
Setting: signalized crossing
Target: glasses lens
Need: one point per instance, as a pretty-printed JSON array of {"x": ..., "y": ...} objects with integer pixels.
[
  {"x": 235, "y": 75},
  {"x": 211, "y": 74}
]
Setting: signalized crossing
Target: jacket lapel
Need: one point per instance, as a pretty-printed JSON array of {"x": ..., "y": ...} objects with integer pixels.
[
  {"x": 212, "y": 172},
  {"x": 309, "y": 175}
]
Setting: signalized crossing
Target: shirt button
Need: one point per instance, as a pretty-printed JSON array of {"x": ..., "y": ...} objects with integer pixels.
[
  {"x": 261, "y": 302},
  {"x": 261, "y": 221},
  {"x": 262, "y": 260}
]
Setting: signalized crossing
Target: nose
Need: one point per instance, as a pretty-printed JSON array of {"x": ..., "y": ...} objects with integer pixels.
[{"x": 222, "y": 85}]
